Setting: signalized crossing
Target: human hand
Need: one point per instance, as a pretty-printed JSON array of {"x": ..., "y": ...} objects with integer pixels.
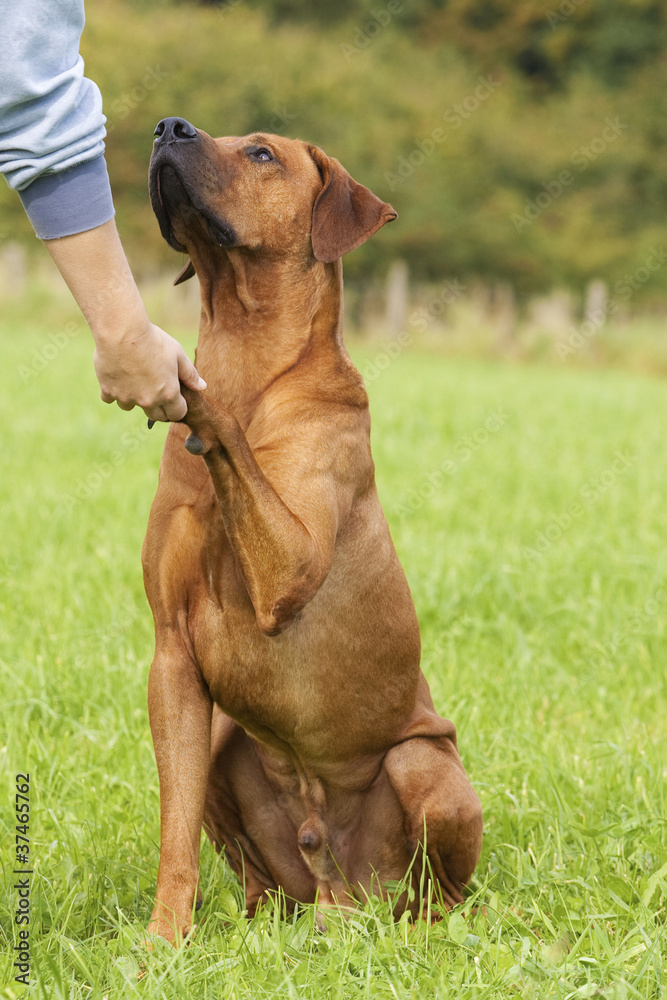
[
  {"x": 146, "y": 371},
  {"x": 137, "y": 363}
]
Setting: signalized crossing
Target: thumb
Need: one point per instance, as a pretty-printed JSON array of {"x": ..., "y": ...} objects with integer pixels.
[{"x": 187, "y": 373}]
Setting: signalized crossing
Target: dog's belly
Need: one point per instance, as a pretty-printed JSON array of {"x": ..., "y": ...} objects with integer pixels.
[{"x": 330, "y": 687}]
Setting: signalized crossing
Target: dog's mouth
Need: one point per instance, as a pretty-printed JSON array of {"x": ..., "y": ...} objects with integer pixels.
[{"x": 171, "y": 196}]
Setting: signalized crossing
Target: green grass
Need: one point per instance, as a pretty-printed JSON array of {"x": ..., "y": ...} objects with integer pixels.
[{"x": 537, "y": 560}]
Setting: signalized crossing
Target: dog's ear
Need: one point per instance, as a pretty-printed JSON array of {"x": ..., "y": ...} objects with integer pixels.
[
  {"x": 187, "y": 272},
  {"x": 345, "y": 214}
]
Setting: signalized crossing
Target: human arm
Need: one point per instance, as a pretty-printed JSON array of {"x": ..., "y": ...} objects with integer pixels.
[
  {"x": 136, "y": 362},
  {"x": 51, "y": 152}
]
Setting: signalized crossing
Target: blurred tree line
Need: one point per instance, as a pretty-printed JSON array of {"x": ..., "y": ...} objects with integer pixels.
[{"x": 522, "y": 141}]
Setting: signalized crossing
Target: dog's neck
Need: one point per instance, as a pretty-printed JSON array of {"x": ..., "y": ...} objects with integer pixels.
[{"x": 258, "y": 318}]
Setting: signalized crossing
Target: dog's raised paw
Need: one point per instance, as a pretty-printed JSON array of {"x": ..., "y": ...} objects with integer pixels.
[{"x": 194, "y": 445}]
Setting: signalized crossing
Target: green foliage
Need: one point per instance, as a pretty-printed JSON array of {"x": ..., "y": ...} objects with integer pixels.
[
  {"x": 543, "y": 639},
  {"x": 464, "y": 115}
]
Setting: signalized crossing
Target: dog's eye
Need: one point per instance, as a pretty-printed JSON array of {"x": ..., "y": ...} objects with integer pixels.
[{"x": 262, "y": 153}]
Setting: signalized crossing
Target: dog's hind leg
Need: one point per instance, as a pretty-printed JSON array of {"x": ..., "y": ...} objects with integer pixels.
[
  {"x": 223, "y": 819},
  {"x": 248, "y": 817},
  {"x": 441, "y": 809}
]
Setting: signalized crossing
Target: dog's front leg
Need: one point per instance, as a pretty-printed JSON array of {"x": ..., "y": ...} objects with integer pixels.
[
  {"x": 284, "y": 551},
  {"x": 179, "y": 708}
]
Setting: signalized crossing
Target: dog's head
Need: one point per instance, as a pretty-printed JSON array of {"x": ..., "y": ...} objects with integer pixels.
[{"x": 260, "y": 192}]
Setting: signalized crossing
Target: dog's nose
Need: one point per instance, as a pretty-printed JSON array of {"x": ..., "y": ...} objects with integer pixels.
[{"x": 173, "y": 130}]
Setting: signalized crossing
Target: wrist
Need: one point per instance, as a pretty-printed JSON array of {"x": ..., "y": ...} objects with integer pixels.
[
  {"x": 97, "y": 272},
  {"x": 120, "y": 329}
]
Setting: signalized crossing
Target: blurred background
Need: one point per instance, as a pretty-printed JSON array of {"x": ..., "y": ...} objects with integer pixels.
[
  {"x": 507, "y": 326},
  {"x": 523, "y": 144}
]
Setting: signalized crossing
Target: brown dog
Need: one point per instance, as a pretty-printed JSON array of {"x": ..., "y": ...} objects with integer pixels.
[{"x": 288, "y": 710}]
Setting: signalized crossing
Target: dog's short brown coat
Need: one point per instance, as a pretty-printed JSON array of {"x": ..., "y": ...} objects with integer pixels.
[{"x": 288, "y": 710}]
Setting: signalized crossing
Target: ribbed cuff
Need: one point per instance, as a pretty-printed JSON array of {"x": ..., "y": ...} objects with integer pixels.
[{"x": 70, "y": 201}]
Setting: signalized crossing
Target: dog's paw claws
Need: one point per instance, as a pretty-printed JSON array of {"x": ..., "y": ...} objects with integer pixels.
[{"x": 194, "y": 445}]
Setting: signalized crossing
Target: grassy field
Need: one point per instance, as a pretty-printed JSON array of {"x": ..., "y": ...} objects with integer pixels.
[{"x": 528, "y": 508}]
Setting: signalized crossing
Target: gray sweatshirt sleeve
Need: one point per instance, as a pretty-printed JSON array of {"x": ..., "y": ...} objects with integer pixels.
[{"x": 51, "y": 122}]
